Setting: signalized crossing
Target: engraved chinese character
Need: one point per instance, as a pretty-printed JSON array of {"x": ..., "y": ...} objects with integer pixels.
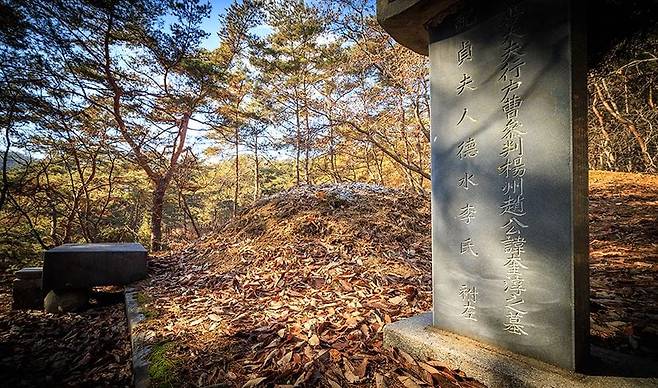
[
  {"x": 514, "y": 287},
  {"x": 513, "y": 205},
  {"x": 512, "y": 129},
  {"x": 515, "y": 167},
  {"x": 514, "y": 186},
  {"x": 513, "y": 324},
  {"x": 511, "y": 106},
  {"x": 469, "y": 299},
  {"x": 514, "y": 246},
  {"x": 467, "y": 181},
  {"x": 512, "y": 145},
  {"x": 465, "y": 115},
  {"x": 514, "y": 266},
  {"x": 467, "y": 213},
  {"x": 465, "y": 53},
  {"x": 467, "y": 149},
  {"x": 467, "y": 247},
  {"x": 513, "y": 226},
  {"x": 512, "y": 60},
  {"x": 510, "y": 87},
  {"x": 465, "y": 19},
  {"x": 464, "y": 84}
]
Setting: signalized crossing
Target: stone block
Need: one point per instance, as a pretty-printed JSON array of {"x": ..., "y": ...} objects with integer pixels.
[
  {"x": 66, "y": 300},
  {"x": 495, "y": 367},
  {"x": 91, "y": 265},
  {"x": 26, "y": 289}
]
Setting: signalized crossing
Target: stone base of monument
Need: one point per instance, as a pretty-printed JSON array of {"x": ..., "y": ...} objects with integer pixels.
[
  {"x": 66, "y": 300},
  {"x": 26, "y": 289},
  {"x": 499, "y": 368}
]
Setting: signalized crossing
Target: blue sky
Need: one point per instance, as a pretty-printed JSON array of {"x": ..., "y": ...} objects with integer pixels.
[{"x": 211, "y": 24}]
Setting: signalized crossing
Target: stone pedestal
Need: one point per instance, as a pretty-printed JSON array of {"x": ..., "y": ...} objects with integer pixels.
[
  {"x": 496, "y": 367},
  {"x": 66, "y": 300},
  {"x": 26, "y": 289}
]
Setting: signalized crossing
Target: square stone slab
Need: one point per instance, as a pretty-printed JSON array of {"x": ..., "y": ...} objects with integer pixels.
[{"x": 91, "y": 265}]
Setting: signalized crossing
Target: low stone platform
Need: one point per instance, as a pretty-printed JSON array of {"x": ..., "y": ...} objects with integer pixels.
[
  {"x": 498, "y": 368},
  {"x": 90, "y": 265},
  {"x": 27, "y": 293},
  {"x": 139, "y": 340}
]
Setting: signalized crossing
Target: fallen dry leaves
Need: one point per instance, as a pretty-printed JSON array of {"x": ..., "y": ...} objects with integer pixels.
[
  {"x": 624, "y": 261},
  {"x": 296, "y": 291}
]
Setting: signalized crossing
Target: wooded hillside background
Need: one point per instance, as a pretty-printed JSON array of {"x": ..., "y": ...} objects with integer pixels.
[{"x": 118, "y": 125}]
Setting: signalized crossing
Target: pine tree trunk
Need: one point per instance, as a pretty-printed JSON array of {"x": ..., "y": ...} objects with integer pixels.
[
  {"x": 236, "y": 192},
  {"x": 307, "y": 147},
  {"x": 297, "y": 141},
  {"x": 156, "y": 214},
  {"x": 256, "y": 169},
  {"x": 332, "y": 153}
]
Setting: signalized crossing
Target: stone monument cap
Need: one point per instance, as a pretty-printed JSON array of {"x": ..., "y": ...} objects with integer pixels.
[{"x": 407, "y": 20}]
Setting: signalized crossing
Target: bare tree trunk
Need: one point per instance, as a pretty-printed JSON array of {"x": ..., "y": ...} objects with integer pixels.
[
  {"x": 256, "y": 169},
  {"x": 379, "y": 163},
  {"x": 5, "y": 158},
  {"x": 68, "y": 228},
  {"x": 236, "y": 192},
  {"x": 53, "y": 210},
  {"x": 332, "y": 153},
  {"x": 307, "y": 140},
  {"x": 297, "y": 139},
  {"x": 156, "y": 214},
  {"x": 188, "y": 212}
]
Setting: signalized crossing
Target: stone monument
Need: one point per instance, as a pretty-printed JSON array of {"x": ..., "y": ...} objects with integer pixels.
[
  {"x": 71, "y": 270},
  {"x": 509, "y": 174}
]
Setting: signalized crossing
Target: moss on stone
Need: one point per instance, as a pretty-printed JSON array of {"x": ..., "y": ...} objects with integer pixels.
[{"x": 144, "y": 302}]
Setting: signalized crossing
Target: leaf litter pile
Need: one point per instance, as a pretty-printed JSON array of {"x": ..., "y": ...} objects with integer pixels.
[{"x": 296, "y": 290}]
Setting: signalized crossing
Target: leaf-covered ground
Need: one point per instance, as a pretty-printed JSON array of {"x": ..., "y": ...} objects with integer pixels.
[
  {"x": 624, "y": 261},
  {"x": 298, "y": 287},
  {"x": 296, "y": 290},
  {"x": 87, "y": 349}
]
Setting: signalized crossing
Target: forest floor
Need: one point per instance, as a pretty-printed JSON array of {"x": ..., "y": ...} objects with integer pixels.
[
  {"x": 297, "y": 288},
  {"x": 86, "y": 349},
  {"x": 624, "y": 262}
]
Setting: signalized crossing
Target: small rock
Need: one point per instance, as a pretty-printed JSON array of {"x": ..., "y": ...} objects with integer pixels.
[{"x": 66, "y": 300}]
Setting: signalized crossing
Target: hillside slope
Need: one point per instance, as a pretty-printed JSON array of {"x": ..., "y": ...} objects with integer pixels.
[{"x": 297, "y": 287}]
